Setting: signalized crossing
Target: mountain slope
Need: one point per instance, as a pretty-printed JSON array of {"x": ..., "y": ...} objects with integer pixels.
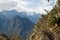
[
  {"x": 12, "y": 13},
  {"x": 48, "y": 27},
  {"x": 16, "y": 25}
]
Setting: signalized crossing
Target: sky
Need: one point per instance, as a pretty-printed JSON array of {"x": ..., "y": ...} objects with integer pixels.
[{"x": 36, "y": 6}]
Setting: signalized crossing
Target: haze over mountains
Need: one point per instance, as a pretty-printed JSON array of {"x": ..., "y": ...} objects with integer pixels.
[
  {"x": 30, "y": 15},
  {"x": 12, "y": 22}
]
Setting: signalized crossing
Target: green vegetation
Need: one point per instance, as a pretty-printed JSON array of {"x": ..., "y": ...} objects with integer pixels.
[{"x": 48, "y": 27}]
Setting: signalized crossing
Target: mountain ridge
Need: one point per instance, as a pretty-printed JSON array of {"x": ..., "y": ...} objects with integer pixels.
[
  {"x": 12, "y": 13},
  {"x": 21, "y": 25}
]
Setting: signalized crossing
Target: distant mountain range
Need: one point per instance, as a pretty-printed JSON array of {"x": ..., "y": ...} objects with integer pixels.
[
  {"x": 12, "y": 13},
  {"x": 12, "y": 22}
]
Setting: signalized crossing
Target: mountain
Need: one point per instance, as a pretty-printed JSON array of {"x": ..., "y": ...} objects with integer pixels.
[
  {"x": 16, "y": 25},
  {"x": 12, "y": 22},
  {"x": 31, "y": 15},
  {"x": 34, "y": 18}
]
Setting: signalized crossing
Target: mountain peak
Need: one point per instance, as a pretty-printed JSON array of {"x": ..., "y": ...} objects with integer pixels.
[{"x": 31, "y": 15}]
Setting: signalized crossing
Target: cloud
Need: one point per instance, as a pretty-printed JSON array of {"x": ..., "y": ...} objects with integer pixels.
[
  {"x": 26, "y": 5},
  {"x": 6, "y": 5},
  {"x": 44, "y": 5}
]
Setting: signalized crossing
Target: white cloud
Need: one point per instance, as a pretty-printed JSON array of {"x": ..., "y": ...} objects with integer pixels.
[
  {"x": 44, "y": 5},
  {"x": 6, "y": 5},
  {"x": 21, "y": 5}
]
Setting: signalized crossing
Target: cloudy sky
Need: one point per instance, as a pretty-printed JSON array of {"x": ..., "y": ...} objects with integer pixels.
[{"x": 37, "y": 6}]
